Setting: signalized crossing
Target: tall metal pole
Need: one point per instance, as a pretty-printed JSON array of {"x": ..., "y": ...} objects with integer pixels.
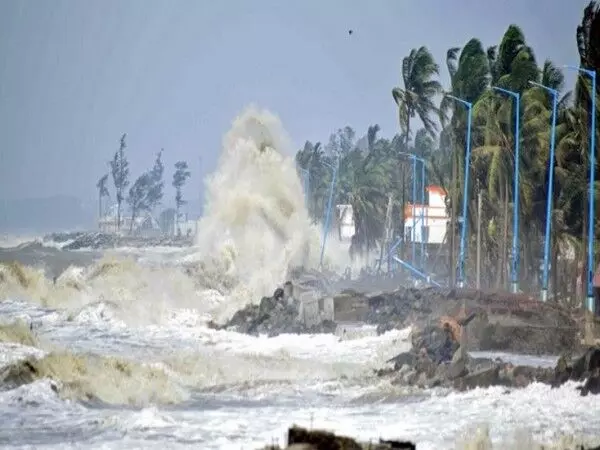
[
  {"x": 550, "y": 195},
  {"x": 414, "y": 215},
  {"x": 328, "y": 210},
  {"x": 415, "y": 158},
  {"x": 515, "y": 240},
  {"x": 478, "y": 240},
  {"x": 592, "y": 201},
  {"x": 422, "y": 215},
  {"x": 591, "y": 196},
  {"x": 463, "y": 234}
]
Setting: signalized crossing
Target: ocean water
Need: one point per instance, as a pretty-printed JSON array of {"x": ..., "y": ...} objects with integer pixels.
[
  {"x": 230, "y": 391},
  {"x": 124, "y": 358}
]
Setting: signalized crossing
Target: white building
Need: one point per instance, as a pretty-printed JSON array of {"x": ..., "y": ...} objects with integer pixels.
[
  {"x": 185, "y": 226},
  {"x": 144, "y": 225},
  {"x": 427, "y": 222}
]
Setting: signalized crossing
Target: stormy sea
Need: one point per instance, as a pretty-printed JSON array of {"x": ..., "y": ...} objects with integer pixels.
[{"x": 115, "y": 348}]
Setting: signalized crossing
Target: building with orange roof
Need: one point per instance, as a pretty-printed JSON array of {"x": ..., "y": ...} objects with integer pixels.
[{"x": 430, "y": 219}]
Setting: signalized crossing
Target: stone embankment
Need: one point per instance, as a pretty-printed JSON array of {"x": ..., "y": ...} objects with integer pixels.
[{"x": 103, "y": 241}]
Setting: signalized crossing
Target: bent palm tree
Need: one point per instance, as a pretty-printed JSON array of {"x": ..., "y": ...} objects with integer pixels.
[{"x": 416, "y": 98}]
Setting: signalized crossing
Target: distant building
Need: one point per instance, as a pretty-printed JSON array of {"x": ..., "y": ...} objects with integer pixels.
[
  {"x": 144, "y": 225},
  {"x": 185, "y": 226},
  {"x": 346, "y": 225},
  {"x": 430, "y": 222}
]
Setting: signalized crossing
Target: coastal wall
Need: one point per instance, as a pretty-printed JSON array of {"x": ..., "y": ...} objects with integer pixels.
[{"x": 313, "y": 310}]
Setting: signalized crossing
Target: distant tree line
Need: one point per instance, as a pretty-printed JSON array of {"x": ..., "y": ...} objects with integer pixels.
[{"x": 147, "y": 191}]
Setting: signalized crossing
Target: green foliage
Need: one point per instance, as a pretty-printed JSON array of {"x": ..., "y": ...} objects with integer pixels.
[
  {"x": 147, "y": 191},
  {"x": 119, "y": 167},
  {"x": 179, "y": 178},
  {"x": 102, "y": 192},
  {"x": 101, "y": 185},
  {"x": 372, "y": 168},
  {"x": 155, "y": 191},
  {"x": 139, "y": 198}
]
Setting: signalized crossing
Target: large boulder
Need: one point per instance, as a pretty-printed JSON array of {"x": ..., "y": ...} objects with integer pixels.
[
  {"x": 302, "y": 438},
  {"x": 585, "y": 367},
  {"x": 437, "y": 359},
  {"x": 501, "y": 321},
  {"x": 273, "y": 316}
]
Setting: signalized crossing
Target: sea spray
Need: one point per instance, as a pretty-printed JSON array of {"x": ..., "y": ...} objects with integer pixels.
[
  {"x": 256, "y": 225},
  {"x": 255, "y": 228}
]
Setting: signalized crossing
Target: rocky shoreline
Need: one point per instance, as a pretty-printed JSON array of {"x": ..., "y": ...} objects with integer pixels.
[
  {"x": 444, "y": 334},
  {"x": 303, "y": 439},
  {"x": 500, "y": 323},
  {"x": 299, "y": 438},
  {"x": 102, "y": 241},
  {"x": 438, "y": 359}
]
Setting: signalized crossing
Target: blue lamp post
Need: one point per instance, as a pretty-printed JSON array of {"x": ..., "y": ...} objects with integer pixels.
[
  {"x": 334, "y": 169},
  {"x": 414, "y": 215},
  {"x": 463, "y": 233},
  {"x": 415, "y": 158},
  {"x": 591, "y": 197},
  {"x": 423, "y": 214},
  {"x": 515, "y": 240},
  {"x": 550, "y": 195}
]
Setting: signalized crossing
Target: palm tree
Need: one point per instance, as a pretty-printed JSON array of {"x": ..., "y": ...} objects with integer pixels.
[
  {"x": 102, "y": 192},
  {"x": 364, "y": 183},
  {"x": 372, "y": 167},
  {"x": 469, "y": 75},
  {"x": 416, "y": 98}
]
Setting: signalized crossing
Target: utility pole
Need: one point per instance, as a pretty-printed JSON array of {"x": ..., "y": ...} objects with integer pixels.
[
  {"x": 453, "y": 210},
  {"x": 478, "y": 240},
  {"x": 385, "y": 242}
]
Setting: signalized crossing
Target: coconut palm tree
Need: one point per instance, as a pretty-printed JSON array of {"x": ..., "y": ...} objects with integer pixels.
[
  {"x": 102, "y": 192},
  {"x": 416, "y": 98}
]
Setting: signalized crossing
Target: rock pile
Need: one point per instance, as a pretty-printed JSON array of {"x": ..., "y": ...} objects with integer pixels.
[
  {"x": 585, "y": 368},
  {"x": 275, "y": 315},
  {"x": 100, "y": 241},
  {"x": 504, "y": 322},
  {"x": 302, "y": 439},
  {"x": 437, "y": 359}
]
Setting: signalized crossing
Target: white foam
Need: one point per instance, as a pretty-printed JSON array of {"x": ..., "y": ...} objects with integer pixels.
[{"x": 11, "y": 353}]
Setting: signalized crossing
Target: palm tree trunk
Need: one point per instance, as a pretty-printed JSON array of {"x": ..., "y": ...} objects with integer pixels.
[
  {"x": 555, "y": 289},
  {"x": 453, "y": 215},
  {"x": 501, "y": 258},
  {"x": 505, "y": 237},
  {"x": 525, "y": 268},
  {"x": 118, "y": 216},
  {"x": 132, "y": 220},
  {"x": 99, "y": 209},
  {"x": 402, "y": 217}
]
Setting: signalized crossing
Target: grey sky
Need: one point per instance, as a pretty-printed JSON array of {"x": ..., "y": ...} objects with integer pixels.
[{"x": 75, "y": 75}]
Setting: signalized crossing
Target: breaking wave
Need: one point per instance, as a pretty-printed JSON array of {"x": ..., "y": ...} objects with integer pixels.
[
  {"x": 255, "y": 228},
  {"x": 256, "y": 225}
]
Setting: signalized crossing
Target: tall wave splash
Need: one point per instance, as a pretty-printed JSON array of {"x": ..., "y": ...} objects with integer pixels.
[
  {"x": 256, "y": 225},
  {"x": 255, "y": 228}
]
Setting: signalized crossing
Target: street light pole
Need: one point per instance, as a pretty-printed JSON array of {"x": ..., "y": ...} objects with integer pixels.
[
  {"x": 515, "y": 240},
  {"x": 334, "y": 168},
  {"x": 422, "y": 215},
  {"x": 463, "y": 233},
  {"x": 591, "y": 199},
  {"x": 413, "y": 235},
  {"x": 415, "y": 158},
  {"x": 550, "y": 195}
]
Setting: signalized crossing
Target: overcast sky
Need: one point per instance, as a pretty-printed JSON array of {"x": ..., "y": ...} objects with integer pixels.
[{"x": 76, "y": 74}]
